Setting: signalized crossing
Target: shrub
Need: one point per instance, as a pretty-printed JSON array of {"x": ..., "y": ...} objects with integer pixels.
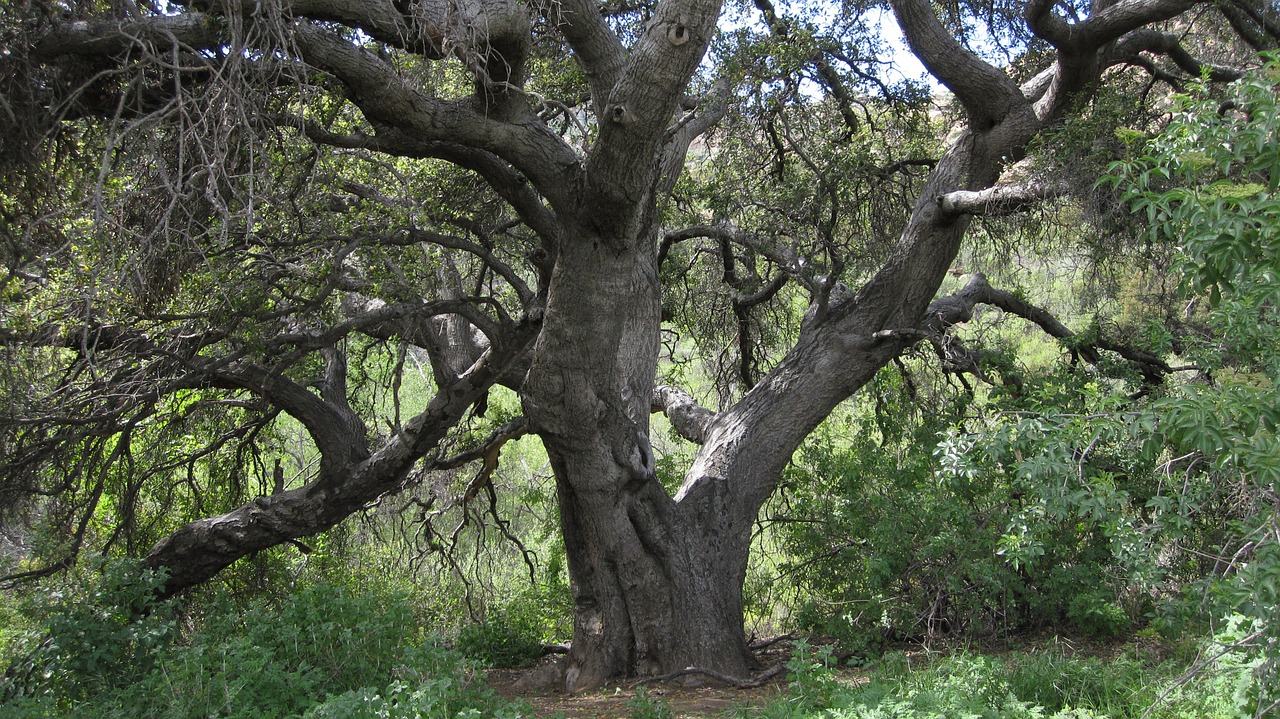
[
  {"x": 94, "y": 632},
  {"x": 109, "y": 652},
  {"x": 501, "y": 640}
]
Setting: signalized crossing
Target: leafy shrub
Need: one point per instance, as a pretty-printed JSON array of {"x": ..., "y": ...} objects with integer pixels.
[
  {"x": 1097, "y": 617},
  {"x": 324, "y": 647},
  {"x": 644, "y": 706},
  {"x": 98, "y": 630},
  {"x": 810, "y": 675},
  {"x": 514, "y": 632},
  {"x": 1039, "y": 685},
  {"x": 501, "y": 640},
  {"x": 452, "y": 694},
  {"x": 1208, "y": 187},
  {"x": 910, "y": 525}
]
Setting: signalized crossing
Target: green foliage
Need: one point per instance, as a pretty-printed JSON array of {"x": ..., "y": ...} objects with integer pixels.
[
  {"x": 645, "y": 706},
  {"x": 501, "y": 640},
  {"x": 439, "y": 698},
  {"x": 810, "y": 675},
  {"x": 1040, "y": 684},
  {"x": 954, "y": 521},
  {"x": 1098, "y": 615},
  {"x": 1064, "y": 498},
  {"x": 514, "y": 632},
  {"x": 99, "y": 630},
  {"x": 325, "y": 650},
  {"x": 1210, "y": 186}
]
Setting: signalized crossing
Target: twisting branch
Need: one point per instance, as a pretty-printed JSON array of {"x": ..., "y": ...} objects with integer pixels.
[
  {"x": 1257, "y": 22},
  {"x": 1162, "y": 43},
  {"x": 946, "y": 312},
  {"x": 987, "y": 94},
  {"x": 689, "y": 418},
  {"x": 598, "y": 51},
  {"x": 487, "y": 450},
  {"x": 786, "y": 258},
  {"x": 1106, "y": 25},
  {"x": 112, "y": 37}
]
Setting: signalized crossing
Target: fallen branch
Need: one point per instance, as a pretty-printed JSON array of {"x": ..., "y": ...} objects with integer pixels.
[
  {"x": 759, "y": 644},
  {"x": 756, "y": 681}
]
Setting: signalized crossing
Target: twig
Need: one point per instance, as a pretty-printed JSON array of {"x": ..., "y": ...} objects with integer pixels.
[{"x": 1195, "y": 670}]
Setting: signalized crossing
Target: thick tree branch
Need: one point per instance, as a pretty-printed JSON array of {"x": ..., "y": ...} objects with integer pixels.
[
  {"x": 596, "y": 48},
  {"x": 338, "y": 432},
  {"x": 1257, "y": 22},
  {"x": 689, "y": 418},
  {"x": 1167, "y": 44},
  {"x": 766, "y": 292},
  {"x": 378, "y": 19},
  {"x": 642, "y": 102},
  {"x": 511, "y": 186},
  {"x": 987, "y": 94},
  {"x": 999, "y": 200},
  {"x": 1107, "y": 25},
  {"x": 202, "y": 548},
  {"x": 703, "y": 113},
  {"x": 946, "y": 312},
  {"x": 113, "y": 37},
  {"x": 400, "y": 314}
]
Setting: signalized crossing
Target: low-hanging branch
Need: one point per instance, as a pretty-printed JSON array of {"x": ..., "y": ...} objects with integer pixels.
[
  {"x": 999, "y": 200},
  {"x": 947, "y": 312}
]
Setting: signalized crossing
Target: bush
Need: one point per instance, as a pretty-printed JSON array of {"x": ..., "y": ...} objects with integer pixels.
[
  {"x": 1037, "y": 685},
  {"x": 323, "y": 651},
  {"x": 501, "y": 640},
  {"x": 92, "y": 633},
  {"x": 1096, "y": 617},
  {"x": 514, "y": 633}
]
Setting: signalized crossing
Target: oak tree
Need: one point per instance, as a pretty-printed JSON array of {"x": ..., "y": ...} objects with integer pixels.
[{"x": 216, "y": 211}]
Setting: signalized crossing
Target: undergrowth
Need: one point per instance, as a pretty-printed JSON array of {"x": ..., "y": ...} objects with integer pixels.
[
  {"x": 1043, "y": 684},
  {"x": 107, "y": 650}
]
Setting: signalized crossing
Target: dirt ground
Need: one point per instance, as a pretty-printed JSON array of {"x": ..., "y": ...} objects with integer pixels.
[
  {"x": 611, "y": 703},
  {"x": 538, "y": 686},
  {"x": 704, "y": 700}
]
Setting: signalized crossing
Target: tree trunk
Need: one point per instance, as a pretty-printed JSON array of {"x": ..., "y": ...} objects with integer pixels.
[
  {"x": 653, "y": 591},
  {"x": 655, "y": 588}
]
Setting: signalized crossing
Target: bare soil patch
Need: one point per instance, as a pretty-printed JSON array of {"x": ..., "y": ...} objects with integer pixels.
[{"x": 689, "y": 697}]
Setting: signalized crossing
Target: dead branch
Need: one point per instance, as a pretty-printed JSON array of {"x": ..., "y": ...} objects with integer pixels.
[{"x": 758, "y": 680}]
